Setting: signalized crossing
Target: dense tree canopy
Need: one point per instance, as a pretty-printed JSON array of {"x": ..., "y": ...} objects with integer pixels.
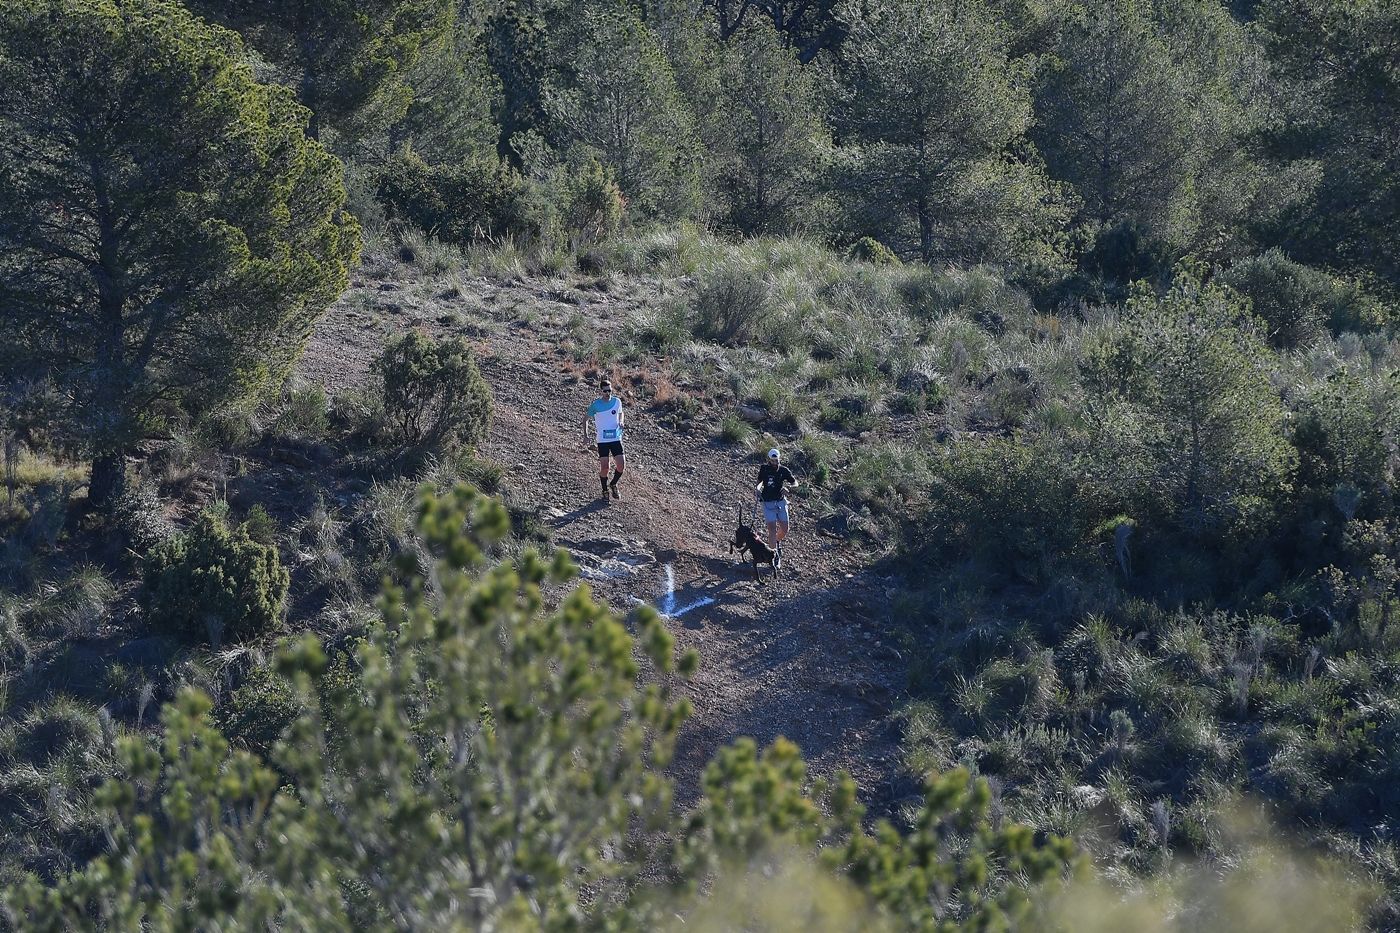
[
  {"x": 343, "y": 56},
  {"x": 1119, "y": 136},
  {"x": 1115, "y": 120},
  {"x": 1340, "y": 68},
  {"x": 764, "y": 131},
  {"x": 618, "y": 102},
  {"x": 935, "y": 108},
  {"x": 167, "y": 231}
]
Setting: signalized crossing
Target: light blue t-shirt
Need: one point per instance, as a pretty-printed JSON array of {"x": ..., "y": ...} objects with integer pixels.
[{"x": 607, "y": 418}]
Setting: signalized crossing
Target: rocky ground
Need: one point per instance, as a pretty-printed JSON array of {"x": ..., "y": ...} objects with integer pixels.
[{"x": 809, "y": 656}]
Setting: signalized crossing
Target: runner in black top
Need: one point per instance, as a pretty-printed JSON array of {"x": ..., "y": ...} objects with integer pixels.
[{"x": 772, "y": 478}]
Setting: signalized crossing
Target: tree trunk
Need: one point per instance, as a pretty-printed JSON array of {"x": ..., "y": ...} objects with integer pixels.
[
  {"x": 107, "y": 481},
  {"x": 925, "y": 232}
]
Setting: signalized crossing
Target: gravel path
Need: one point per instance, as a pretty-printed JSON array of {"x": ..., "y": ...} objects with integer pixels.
[{"x": 805, "y": 657}]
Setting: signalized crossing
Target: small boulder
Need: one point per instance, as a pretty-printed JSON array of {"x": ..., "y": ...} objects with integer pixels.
[{"x": 753, "y": 414}]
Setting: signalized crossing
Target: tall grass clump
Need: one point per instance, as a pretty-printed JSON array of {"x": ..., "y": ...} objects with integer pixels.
[
  {"x": 886, "y": 478},
  {"x": 66, "y": 608},
  {"x": 730, "y": 305}
]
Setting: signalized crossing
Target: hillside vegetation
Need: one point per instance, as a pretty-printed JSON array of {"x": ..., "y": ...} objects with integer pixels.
[{"x": 1078, "y": 321}]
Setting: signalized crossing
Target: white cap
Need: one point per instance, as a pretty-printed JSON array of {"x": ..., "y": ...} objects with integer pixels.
[{"x": 772, "y": 453}]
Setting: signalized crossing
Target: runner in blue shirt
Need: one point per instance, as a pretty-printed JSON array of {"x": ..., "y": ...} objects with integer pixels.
[{"x": 606, "y": 415}]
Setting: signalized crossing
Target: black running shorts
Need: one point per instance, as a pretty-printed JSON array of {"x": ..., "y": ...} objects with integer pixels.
[{"x": 610, "y": 449}]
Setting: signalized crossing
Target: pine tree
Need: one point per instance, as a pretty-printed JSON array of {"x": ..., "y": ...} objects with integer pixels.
[
  {"x": 456, "y": 97},
  {"x": 1114, "y": 119},
  {"x": 167, "y": 231},
  {"x": 1151, "y": 113},
  {"x": 346, "y": 57},
  {"x": 765, "y": 138},
  {"x": 515, "y": 44},
  {"x": 1183, "y": 419},
  {"x": 936, "y": 112},
  {"x": 618, "y": 102}
]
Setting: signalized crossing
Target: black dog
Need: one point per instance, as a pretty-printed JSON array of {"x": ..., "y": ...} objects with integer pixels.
[{"x": 749, "y": 545}]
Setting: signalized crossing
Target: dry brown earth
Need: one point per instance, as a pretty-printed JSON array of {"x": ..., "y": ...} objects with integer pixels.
[{"x": 808, "y": 657}]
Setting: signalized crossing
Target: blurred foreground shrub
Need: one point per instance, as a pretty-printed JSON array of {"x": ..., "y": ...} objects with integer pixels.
[{"x": 477, "y": 761}]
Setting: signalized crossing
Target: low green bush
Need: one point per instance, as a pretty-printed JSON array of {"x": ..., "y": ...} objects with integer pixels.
[
  {"x": 434, "y": 396},
  {"x": 214, "y": 584},
  {"x": 479, "y": 199},
  {"x": 852, "y": 412},
  {"x": 256, "y": 714},
  {"x": 779, "y": 399},
  {"x": 261, "y": 526},
  {"x": 1300, "y": 303},
  {"x": 1013, "y": 507},
  {"x": 815, "y": 458},
  {"x": 485, "y": 475},
  {"x": 917, "y": 401},
  {"x": 591, "y": 206},
  {"x": 869, "y": 249},
  {"x": 60, "y": 727},
  {"x": 66, "y": 608},
  {"x": 359, "y": 412}
]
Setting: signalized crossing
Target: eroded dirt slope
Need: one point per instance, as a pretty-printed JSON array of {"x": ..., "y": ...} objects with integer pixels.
[{"x": 808, "y": 657}]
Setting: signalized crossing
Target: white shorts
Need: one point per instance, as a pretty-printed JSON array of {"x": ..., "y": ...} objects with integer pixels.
[{"x": 775, "y": 511}]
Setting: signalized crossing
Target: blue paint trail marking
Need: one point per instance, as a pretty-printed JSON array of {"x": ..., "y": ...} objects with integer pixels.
[{"x": 668, "y": 600}]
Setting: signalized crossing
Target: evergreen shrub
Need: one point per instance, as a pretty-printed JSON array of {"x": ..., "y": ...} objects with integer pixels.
[
  {"x": 215, "y": 583},
  {"x": 478, "y": 199},
  {"x": 434, "y": 396}
]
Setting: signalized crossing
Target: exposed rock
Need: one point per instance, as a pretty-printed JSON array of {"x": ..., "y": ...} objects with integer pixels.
[
  {"x": 1087, "y": 796},
  {"x": 914, "y": 380},
  {"x": 301, "y": 456},
  {"x": 753, "y": 414},
  {"x": 147, "y": 652},
  {"x": 835, "y": 525}
]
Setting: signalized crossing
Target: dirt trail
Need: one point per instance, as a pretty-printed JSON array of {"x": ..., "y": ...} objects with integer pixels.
[{"x": 803, "y": 657}]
